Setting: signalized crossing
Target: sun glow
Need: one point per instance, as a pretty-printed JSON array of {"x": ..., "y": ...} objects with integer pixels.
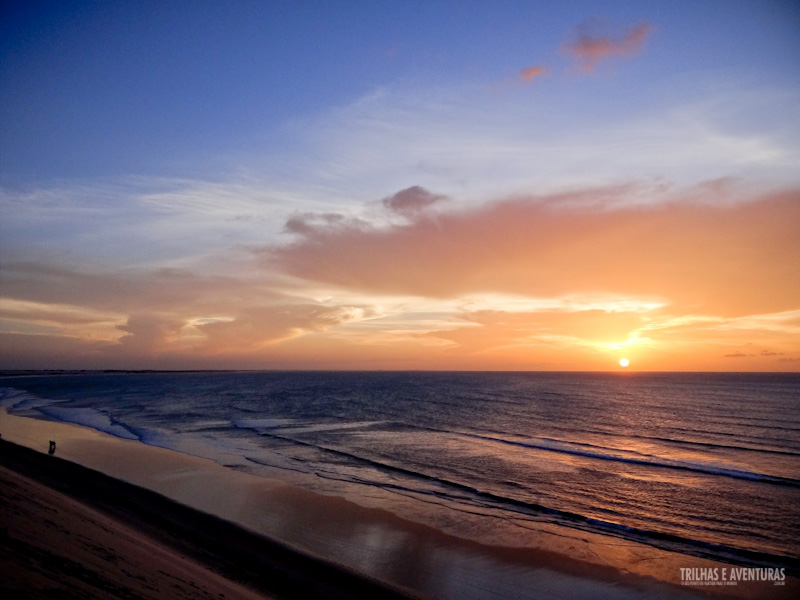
[{"x": 623, "y": 362}]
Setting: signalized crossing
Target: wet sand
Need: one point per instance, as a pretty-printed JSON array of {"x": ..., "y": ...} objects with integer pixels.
[{"x": 231, "y": 533}]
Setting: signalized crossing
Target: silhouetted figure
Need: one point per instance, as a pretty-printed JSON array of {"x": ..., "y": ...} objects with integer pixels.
[{"x": 52, "y": 447}]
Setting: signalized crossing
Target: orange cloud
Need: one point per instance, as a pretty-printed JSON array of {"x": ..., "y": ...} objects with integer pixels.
[
  {"x": 564, "y": 281},
  {"x": 718, "y": 259},
  {"x": 148, "y": 333},
  {"x": 589, "y": 50},
  {"x": 499, "y": 329},
  {"x": 529, "y": 74},
  {"x": 257, "y": 328}
]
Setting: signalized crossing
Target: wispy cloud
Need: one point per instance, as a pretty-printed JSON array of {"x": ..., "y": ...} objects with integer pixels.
[
  {"x": 592, "y": 47},
  {"x": 588, "y": 47},
  {"x": 530, "y": 73},
  {"x": 466, "y": 143}
]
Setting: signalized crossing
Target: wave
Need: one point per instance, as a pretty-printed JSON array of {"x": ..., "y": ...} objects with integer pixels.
[
  {"x": 13, "y": 399},
  {"x": 260, "y": 424},
  {"x": 293, "y": 426},
  {"x": 586, "y": 450},
  {"x": 485, "y": 499},
  {"x": 90, "y": 417},
  {"x": 632, "y": 457},
  {"x": 102, "y": 421},
  {"x": 713, "y": 445},
  {"x": 684, "y": 441},
  {"x": 10, "y": 397},
  {"x": 736, "y": 435},
  {"x": 682, "y": 433},
  {"x": 17, "y": 400}
]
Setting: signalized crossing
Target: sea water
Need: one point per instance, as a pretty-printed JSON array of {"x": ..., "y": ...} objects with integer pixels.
[{"x": 703, "y": 464}]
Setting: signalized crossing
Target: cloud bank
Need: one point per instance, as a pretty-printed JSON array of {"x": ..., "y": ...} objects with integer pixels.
[
  {"x": 730, "y": 259},
  {"x": 533, "y": 281}
]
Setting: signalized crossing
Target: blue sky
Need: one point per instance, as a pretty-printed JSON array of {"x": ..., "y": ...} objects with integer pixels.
[
  {"x": 139, "y": 137},
  {"x": 155, "y": 88}
]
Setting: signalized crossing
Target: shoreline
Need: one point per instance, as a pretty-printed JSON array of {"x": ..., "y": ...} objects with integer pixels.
[
  {"x": 379, "y": 545},
  {"x": 222, "y": 554}
]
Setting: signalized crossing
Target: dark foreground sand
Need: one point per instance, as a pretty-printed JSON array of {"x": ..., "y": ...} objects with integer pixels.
[{"x": 70, "y": 532}]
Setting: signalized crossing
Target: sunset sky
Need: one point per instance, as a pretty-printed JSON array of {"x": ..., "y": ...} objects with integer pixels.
[{"x": 528, "y": 185}]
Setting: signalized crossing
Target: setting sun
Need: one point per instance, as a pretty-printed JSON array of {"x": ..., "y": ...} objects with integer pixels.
[{"x": 413, "y": 215}]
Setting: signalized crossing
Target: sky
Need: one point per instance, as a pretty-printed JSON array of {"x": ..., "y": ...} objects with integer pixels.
[{"x": 444, "y": 185}]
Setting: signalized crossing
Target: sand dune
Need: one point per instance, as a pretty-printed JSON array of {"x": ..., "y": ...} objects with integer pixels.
[{"x": 70, "y": 532}]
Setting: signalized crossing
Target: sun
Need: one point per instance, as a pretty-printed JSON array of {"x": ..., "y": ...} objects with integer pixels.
[{"x": 623, "y": 362}]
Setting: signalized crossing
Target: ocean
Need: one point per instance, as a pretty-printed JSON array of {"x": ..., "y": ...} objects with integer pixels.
[{"x": 707, "y": 465}]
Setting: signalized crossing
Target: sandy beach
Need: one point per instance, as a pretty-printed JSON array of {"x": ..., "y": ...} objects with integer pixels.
[
  {"x": 54, "y": 546},
  {"x": 69, "y": 531},
  {"x": 180, "y": 526}
]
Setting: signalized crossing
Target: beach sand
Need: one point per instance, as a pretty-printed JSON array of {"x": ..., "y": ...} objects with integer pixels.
[
  {"x": 170, "y": 525},
  {"x": 55, "y": 547},
  {"x": 68, "y": 531}
]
